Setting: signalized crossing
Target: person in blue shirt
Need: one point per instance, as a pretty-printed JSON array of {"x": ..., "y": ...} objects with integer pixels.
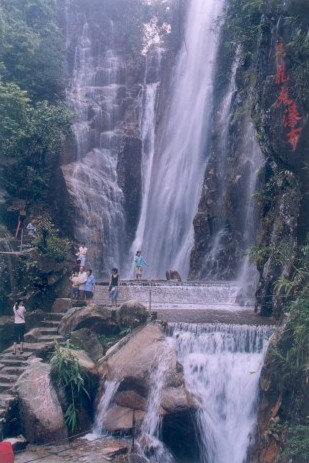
[
  {"x": 139, "y": 262},
  {"x": 89, "y": 287}
]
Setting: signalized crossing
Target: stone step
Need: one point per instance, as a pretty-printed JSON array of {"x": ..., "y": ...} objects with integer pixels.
[
  {"x": 13, "y": 361},
  {"x": 53, "y": 316},
  {"x": 50, "y": 338},
  {"x": 7, "y": 378},
  {"x": 50, "y": 323},
  {"x": 6, "y": 400},
  {"x": 5, "y": 387},
  {"x": 49, "y": 331},
  {"x": 12, "y": 370}
]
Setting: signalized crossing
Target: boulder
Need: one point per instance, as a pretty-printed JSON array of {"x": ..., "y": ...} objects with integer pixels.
[
  {"x": 84, "y": 360},
  {"x": 88, "y": 341},
  {"x": 142, "y": 353},
  {"x": 40, "y": 411},
  {"x": 173, "y": 275},
  {"x": 131, "y": 314},
  {"x": 120, "y": 419},
  {"x": 175, "y": 399},
  {"x": 33, "y": 335},
  {"x": 61, "y": 305},
  {"x": 98, "y": 319}
]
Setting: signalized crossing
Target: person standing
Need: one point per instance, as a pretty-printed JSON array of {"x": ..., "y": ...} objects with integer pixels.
[
  {"x": 139, "y": 262},
  {"x": 19, "y": 326},
  {"x": 82, "y": 278},
  {"x": 81, "y": 254},
  {"x": 75, "y": 282},
  {"x": 114, "y": 287},
  {"x": 89, "y": 287}
]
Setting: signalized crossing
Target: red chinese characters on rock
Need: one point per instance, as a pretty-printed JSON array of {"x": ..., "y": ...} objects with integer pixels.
[{"x": 291, "y": 116}]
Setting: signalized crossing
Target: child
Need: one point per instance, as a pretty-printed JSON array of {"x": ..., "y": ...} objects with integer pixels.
[
  {"x": 75, "y": 281},
  {"x": 139, "y": 261}
]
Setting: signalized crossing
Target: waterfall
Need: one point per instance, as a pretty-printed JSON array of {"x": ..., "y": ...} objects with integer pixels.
[
  {"x": 165, "y": 230},
  {"x": 248, "y": 275},
  {"x": 110, "y": 388},
  {"x": 150, "y": 431},
  {"x": 91, "y": 178},
  {"x": 147, "y": 129},
  {"x": 222, "y": 365}
]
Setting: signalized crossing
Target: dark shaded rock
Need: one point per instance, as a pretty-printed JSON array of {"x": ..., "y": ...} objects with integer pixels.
[
  {"x": 132, "y": 314},
  {"x": 88, "y": 341},
  {"x": 180, "y": 434},
  {"x": 97, "y": 319},
  {"x": 173, "y": 275},
  {"x": 61, "y": 305}
]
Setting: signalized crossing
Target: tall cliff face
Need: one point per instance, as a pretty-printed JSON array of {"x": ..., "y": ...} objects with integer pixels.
[
  {"x": 108, "y": 64},
  {"x": 257, "y": 171}
]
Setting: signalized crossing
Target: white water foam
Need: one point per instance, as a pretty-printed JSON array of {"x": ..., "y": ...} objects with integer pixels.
[{"x": 222, "y": 365}]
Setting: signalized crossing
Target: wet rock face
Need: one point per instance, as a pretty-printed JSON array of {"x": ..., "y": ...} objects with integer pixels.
[{"x": 134, "y": 367}]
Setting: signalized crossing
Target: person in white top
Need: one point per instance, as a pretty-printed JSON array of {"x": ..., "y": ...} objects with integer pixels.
[
  {"x": 82, "y": 278},
  {"x": 19, "y": 326},
  {"x": 81, "y": 254}
]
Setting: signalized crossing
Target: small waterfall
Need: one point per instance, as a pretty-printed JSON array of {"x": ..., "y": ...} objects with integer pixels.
[
  {"x": 179, "y": 160},
  {"x": 150, "y": 431},
  {"x": 91, "y": 178},
  {"x": 222, "y": 365},
  {"x": 110, "y": 388}
]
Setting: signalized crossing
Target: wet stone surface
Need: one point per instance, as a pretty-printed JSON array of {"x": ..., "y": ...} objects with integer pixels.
[{"x": 77, "y": 451}]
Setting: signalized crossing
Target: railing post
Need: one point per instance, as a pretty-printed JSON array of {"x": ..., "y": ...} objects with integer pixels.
[
  {"x": 150, "y": 298},
  {"x": 21, "y": 238},
  {"x": 133, "y": 431}
]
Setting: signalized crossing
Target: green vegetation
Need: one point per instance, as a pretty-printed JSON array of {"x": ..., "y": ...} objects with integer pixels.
[
  {"x": 34, "y": 119},
  {"x": 291, "y": 357},
  {"x": 48, "y": 241},
  {"x": 108, "y": 341},
  {"x": 67, "y": 373},
  {"x": 298, "y": 442}
]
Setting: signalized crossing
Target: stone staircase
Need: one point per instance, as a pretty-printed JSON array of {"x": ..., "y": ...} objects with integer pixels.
[{"x": 12, "y": 366}]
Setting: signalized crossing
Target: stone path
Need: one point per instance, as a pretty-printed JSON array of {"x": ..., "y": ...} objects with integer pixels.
[
  {"x": 79, "y": 450},
  {"x": 12, "y": 366}
]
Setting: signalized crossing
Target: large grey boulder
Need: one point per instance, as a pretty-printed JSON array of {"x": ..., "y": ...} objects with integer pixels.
[
  {"x": 145, "y": 361},
  {"x": 98, "y": 319},
  {"x": 88, "y": 341},
  {"x": 40, "y": 411}
]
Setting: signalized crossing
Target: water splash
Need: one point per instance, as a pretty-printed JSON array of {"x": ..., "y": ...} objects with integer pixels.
[
  {"x": 222, "y": 365},
  {"x": 150, "y": 441},
  {"x": 110, "y": 388}
]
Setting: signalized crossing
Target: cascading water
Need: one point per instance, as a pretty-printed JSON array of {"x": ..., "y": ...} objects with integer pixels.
[
  {"x": 222, "y": 365},
  {"x": 147, "y": 127},
  {"x": 151, "y": 424},
  {"x": 110, "y": 388},
  {"x": 165, "y": 231},
  {"x": 248, "y": 274},
  {"x": 91, "y": 179}
]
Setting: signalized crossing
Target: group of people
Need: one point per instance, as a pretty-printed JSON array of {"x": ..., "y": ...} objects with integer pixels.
[
  {"x": 83, "y": 288},
  {"x": 83, "y": 281}
]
